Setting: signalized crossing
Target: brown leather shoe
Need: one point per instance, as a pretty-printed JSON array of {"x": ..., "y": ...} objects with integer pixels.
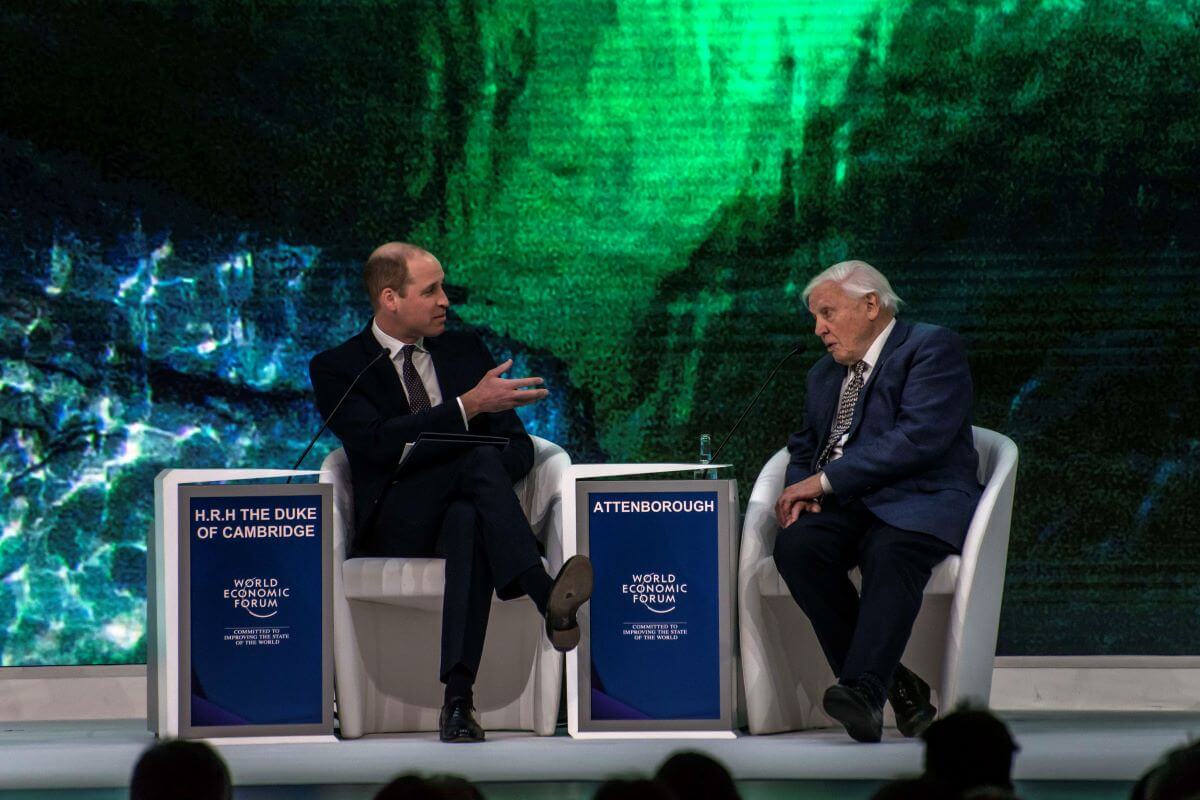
[
  {"x": 572, "y": 588},
  {"x": 909, "y": 697},
  {"x": 457, "y": 722}
]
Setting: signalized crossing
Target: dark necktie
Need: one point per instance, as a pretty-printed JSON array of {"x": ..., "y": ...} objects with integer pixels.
[
  {"x": 845, "y": 411},
  {"x": 418, "y": 398}
]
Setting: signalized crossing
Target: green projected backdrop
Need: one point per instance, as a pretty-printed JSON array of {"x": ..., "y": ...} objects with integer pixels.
[{"x": 628, "y": 197}]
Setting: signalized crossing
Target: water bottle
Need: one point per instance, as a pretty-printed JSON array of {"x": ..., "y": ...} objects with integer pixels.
[{"x": 706, "y": 458}]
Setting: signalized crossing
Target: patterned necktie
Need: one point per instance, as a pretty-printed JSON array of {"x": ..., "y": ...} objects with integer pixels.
[
  {"x": 418, "y": 398},
  {"x": 845, "y": 411}
]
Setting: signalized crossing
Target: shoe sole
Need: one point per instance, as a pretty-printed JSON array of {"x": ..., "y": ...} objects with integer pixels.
[
  {"x": 917, "y": 725},
  {"x": 846, "y": 712},
  {"x": 572, "y": 589},
  {"x": 461, "y": 739}
]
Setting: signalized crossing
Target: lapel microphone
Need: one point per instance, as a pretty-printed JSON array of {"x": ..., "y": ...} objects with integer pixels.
[
  {"x": 325, "y": 424},
  {"x": 753, "y": 400}
]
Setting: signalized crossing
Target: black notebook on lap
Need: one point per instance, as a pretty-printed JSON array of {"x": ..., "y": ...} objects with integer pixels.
[{"x": 436, "y": 448}]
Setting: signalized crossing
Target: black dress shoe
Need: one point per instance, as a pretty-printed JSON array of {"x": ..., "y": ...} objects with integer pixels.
[
  {"x": 853, "y": 707},
  {"x": 571, "y": 589},
  {"x": 458, "y": 724},
  {"x": 909, "y": 697}
]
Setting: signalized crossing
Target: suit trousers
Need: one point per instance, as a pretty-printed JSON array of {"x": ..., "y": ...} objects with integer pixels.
[
  {"x": 464, "y": 510},
  {"x": 860, "y": 635}
]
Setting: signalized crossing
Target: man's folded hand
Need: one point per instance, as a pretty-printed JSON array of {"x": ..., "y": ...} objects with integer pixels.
[{"x": 799, "y": 498}]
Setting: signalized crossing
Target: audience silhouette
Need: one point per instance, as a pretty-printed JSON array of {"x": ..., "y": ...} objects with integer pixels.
[
  {"x": 989, "y": 793},
  {"x": 438, "y": 787},
  {"x": 696, "y": 776},
  {"x": 968, "y": 756},
  {"x": 969, "y": 749},
  {"x": 453, "y": 787},
  {"x": 179, "y": 770},
  {"x": 633, "y": 789},
  {"x": 914, "y": 789},
  {"x": 1175, "y": 777}
]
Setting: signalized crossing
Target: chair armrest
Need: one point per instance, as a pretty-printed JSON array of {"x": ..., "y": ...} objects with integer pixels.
[
  {"x": 759, "y": 527},
  {"x": 539, "y": 491},
  {"x": 975, "y": 612}
]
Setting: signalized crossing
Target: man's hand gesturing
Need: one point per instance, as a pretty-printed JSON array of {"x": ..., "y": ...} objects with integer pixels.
[{"x": 494, "y": 393}]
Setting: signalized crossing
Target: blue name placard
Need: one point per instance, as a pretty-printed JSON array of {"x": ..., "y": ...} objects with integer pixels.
[
  {"x": 255, "y": 616},
  {"x": 656, "y": 648}
]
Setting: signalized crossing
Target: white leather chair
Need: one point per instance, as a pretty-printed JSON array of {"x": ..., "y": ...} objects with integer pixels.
[
  {"x": 387, "y": 615},
  {"x": 953, "y": 643}
]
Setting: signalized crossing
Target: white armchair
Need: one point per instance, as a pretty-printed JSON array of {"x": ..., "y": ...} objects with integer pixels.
[
  {"x": 953, "y": 643},
  {"x": 387, "y": 625}
]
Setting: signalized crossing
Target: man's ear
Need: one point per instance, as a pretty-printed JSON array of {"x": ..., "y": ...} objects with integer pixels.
[{"x": 872, "y": 305}]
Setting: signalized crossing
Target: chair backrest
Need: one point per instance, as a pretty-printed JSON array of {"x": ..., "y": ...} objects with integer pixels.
[
  {"x": 993, "y": 513},
  {"x": 997, "y": 456},
  {"x": 975, "y": 613},
  {"x": 336, "y": 469}
]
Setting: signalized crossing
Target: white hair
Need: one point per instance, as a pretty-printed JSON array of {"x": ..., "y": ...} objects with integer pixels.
[{"x": 858, "y": 279}]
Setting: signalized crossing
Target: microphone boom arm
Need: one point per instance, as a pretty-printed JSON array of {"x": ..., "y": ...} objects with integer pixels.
[
  {"x": 346, "y": 394},
  {"x": 754, "y": 400}
]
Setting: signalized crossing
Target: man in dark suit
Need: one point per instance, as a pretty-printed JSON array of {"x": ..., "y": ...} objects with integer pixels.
[
  {"x": 882, "y": 476},
  {"x": 412, "y": 378}
]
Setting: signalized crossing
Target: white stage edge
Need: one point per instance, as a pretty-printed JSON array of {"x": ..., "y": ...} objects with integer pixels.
[
  {"x": 1025, "y": 683},
  {"x": 100, "y": 754}
]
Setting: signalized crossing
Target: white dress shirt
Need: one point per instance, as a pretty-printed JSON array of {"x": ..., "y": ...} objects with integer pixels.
[
  {"x": 422, "y": 362},
  {"x": 869, "y": 359}
]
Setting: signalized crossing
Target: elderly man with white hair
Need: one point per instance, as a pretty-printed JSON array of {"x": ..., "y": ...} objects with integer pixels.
[{"x": 882, "y": 477}]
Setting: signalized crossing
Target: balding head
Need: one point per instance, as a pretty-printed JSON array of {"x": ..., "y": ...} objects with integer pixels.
[{"x": 388, "y": 268}]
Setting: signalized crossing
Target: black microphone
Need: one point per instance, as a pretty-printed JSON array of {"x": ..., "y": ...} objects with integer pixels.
[
  {"x": 754, "y": 400},
  {"x": 325, "y": 424}
]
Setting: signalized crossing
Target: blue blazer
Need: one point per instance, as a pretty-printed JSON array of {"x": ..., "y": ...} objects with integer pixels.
[{"x": 910, "y": 457}]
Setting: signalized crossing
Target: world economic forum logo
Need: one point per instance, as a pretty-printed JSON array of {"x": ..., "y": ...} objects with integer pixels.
[
  {"x": 259, "y": 597},
  {"x": 658, "y": 592}
]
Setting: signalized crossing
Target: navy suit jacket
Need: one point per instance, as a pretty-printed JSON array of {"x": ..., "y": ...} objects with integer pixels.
[
  {"x": 910, "y": 456},
  {"x": 375, "y": 421}
]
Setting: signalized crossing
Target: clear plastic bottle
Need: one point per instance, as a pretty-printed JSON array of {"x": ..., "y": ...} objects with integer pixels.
[{"x": 706, "y": 458}]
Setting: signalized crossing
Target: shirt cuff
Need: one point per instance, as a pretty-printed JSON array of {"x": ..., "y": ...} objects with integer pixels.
[
  {"x": 825, "y": 484},
  {"x": 463, "y": 410}
]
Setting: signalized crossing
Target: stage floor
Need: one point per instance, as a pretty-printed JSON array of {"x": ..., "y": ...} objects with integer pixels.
[{"x": 1054, "y": 747}]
